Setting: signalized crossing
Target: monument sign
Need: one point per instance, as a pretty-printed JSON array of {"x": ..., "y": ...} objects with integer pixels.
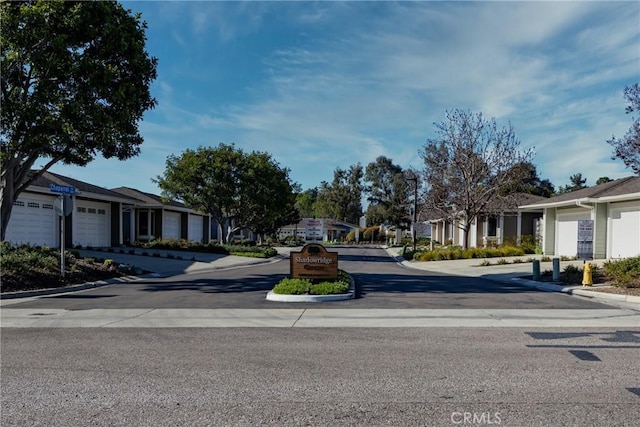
[{"x": 314, "y": 262}]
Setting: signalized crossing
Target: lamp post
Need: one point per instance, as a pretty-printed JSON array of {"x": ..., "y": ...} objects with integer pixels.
[{"x": 414, "y": 178}]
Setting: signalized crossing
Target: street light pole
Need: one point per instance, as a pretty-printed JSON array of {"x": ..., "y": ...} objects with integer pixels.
[{"x": 415, "y": 208}]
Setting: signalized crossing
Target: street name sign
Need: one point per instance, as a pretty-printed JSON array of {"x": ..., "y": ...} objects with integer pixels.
[{"x": 64, "y": 189}]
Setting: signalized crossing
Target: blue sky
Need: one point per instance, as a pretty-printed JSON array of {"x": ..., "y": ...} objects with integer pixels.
[{"x": 322, "y": 85}]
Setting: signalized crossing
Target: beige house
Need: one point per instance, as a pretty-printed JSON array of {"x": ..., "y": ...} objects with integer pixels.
[
  {"x": 597, "y": 222},
  {"x": 501, "y": 223}
]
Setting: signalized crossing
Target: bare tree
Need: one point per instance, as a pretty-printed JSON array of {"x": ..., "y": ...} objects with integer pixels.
[
  {"x": 627, "y": 148},
  {"x": 468, "y": 164}
]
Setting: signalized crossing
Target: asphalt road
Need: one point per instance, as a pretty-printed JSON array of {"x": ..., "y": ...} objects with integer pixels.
[
  {"x": 381, "y": 283},
  {"x": 320, "y": 377}
]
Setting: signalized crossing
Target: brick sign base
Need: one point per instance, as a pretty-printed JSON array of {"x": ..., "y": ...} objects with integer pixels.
[{"x": 314, "y": 262}]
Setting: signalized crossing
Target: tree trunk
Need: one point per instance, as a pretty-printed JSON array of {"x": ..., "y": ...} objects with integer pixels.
[
  {"x": 466, "y": 229},
  {"x": 7, "y": 198},
  {"x": 230, "y": 231}
]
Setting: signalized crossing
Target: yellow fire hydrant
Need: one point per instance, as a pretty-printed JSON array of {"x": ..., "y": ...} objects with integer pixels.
[{"x": 587, "y": 275}]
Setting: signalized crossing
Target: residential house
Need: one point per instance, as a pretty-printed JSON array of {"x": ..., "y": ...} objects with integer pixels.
[
  {"x": 317, "y": 230},
  {"x": 151, "y": 218},
  {"x": 597, "y": 222},
  {"x": 501, "y": 222},
  {"x": 99, "y": 216}
]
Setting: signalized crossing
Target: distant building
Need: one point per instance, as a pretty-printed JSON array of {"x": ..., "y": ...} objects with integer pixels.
[{"x": 316, "y": 230}]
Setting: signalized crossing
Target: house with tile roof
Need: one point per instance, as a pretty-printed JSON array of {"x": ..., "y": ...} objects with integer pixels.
[{"x": 599, "y": 222}]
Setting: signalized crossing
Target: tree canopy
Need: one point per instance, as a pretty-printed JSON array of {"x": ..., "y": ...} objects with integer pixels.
[
  {"x": 341, "y": 200},
  {"x": 531, "y": 183},
  {"x": 467, "y": 164},
  {"x": 577, "y": 182},
  {"x": 306, "y": 202},
  {"x": 75, "y": 83},
  {"x": 627, "y": 148},
  {"x": 238, "y": 189},
  {"x": 387, "y": 189}
]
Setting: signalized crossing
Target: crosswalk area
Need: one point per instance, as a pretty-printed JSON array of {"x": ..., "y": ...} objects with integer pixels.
[{"x": 317, "y": 318}]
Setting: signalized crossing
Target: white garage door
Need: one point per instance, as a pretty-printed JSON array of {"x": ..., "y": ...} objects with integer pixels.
[
  {"x": 91, "y": 226},
  {"x": 171, "y": 225},
  {"x": 33, "y": 221},
  {"x": 195, "y": 228},
  {"x": 567, "y": 233},
  {"x": 625, "y": 233}
]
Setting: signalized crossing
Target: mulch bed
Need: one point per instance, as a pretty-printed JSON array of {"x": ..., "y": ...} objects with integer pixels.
[{"x": 83, "y": 271}]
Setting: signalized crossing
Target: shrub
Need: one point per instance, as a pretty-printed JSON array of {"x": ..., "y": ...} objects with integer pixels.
[
  {"x": 329, "y": 288},
  {"x": 624, "y": 273},
  {"x": 456, "y": 252},
  {"x": 485, "y": 263},
  {"x": 291, "y": 286},
  {"x": 371, "y": 233},
  {"x": 32, "y": 267},
  {"x": 251, "y": 251},
  {"x": 502, "y": 261},
  {"x": 573, "y": 274}
]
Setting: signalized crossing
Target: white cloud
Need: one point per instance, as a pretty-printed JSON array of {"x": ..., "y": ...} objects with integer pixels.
[{"x": 373, "y": 83}]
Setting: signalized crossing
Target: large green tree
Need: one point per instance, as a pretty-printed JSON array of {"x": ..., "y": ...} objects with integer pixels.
[
  {"x": 627, "y": 148},
  {"x": 531, "y": 183},
  {"x": 341, "y": 199},
  {"x": 75, "y": 83},
  {"x": 306, "y": 202},
  {"x": 238, "y": 189},
  {"x": 387, "y": 189},
  {"x": 577, "y": 183},
  {"x": 468, "y": 163}
]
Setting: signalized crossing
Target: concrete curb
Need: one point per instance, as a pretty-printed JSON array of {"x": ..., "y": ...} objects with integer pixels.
[
  {"x": 550, "y": 287},
  {"x": 577, "y": 291},
  {"x": 271, "y": 296}
]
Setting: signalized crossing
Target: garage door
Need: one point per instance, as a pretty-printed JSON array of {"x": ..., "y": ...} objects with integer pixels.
[
  {"x": 33, "y": 221},
  {"x": 91, "y": 226},
  {"x": 625, "y": 233},
  {"x": 171, "y": 225},
  {"x": 567, "y": 233},
  {"x": 195, "y": 228}
]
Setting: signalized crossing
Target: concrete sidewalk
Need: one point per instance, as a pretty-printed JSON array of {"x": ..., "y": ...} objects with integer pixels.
[
  {"x": 514, "y": 273},
  {"x": 168, "y": 263}
]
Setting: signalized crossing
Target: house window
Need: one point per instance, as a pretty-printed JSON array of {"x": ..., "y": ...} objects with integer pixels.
[
  {"x": 18, "y": 203},
  {"x": 492, "y": 226},
  {"x": 33, "y": 205},
  {"x": 146, "y": 223}
]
